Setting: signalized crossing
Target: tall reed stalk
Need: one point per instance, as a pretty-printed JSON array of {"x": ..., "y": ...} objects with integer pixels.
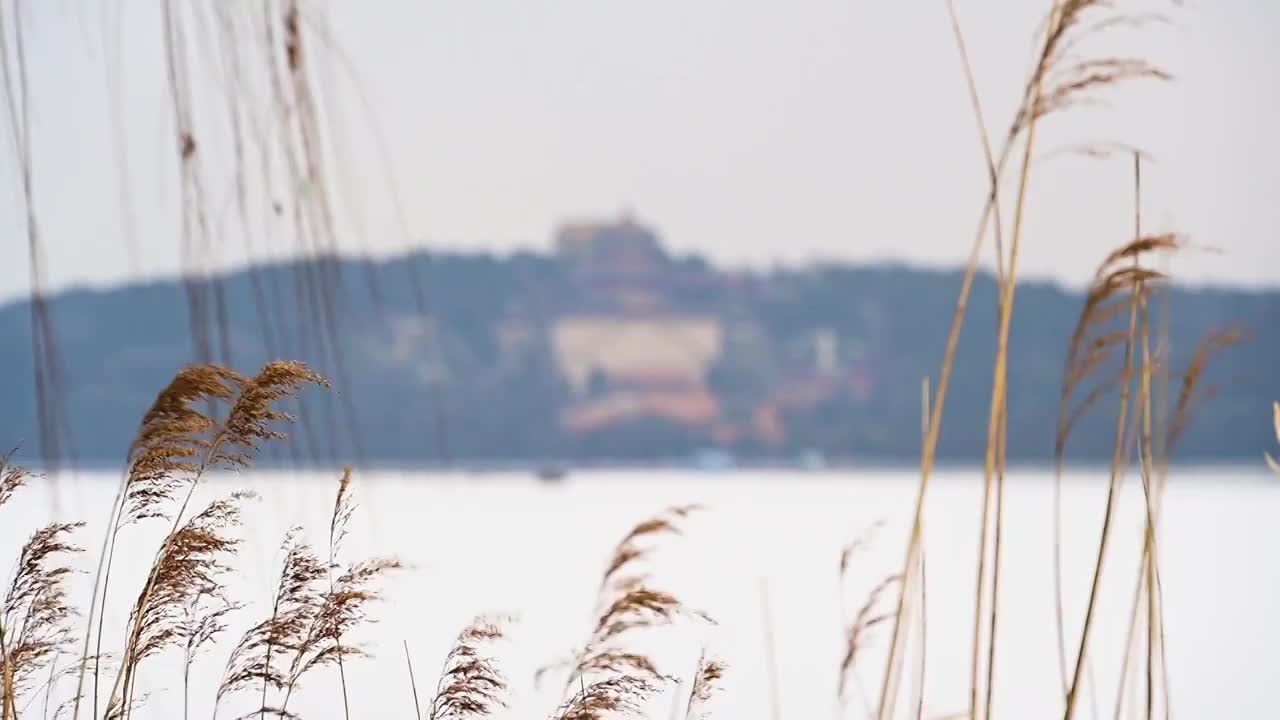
[{"x": 1058, "y": 80}]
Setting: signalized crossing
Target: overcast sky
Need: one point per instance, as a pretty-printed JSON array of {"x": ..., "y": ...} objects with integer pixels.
[{"x": 749, "y": 130}]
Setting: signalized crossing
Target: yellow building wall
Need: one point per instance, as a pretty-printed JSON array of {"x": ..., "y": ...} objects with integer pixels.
[{"x": 681, "y": 348}]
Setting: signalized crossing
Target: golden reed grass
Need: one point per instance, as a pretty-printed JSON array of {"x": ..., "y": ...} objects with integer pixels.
[
  {"x": 35, "y": 616},
  {"x": 607, "y": 676},
  {"x": 859, "y": 627},
  {"x": 1060, "y": 78},
  {"x": 470, "y": 684},
  {"x": 208, "y": 418},
  {"x": 706, "y": 681}
]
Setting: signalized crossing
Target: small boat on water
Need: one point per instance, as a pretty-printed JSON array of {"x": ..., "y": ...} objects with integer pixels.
[{"x": 551, "y": 474}]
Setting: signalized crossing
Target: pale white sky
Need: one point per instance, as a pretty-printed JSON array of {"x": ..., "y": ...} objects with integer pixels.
[{"x": 749, "y": 130}]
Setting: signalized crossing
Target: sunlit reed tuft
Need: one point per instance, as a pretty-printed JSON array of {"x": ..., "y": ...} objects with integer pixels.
[
  {"x": 706, "y": 682},
  {"x": 35, "y": 619},
  {"x": 637, "y": 546},
  {"x": 190, "y": 566},
  {"x": 470, "y": 684},
  {"x": 12, "y": 477},
  {"x": 261, "y": 658},
  {"x": 618, "y": 697},
  {"x": 312, "y": 613}
]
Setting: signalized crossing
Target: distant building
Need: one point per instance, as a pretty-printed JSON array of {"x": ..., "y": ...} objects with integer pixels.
[
  {"x": 624, "y": 247},
  {"x": 619, "y": 265},
  {"x": 622, "y": 367},
  {"x": 633, "y": 349},
  {"x": 655, "y": 351}
]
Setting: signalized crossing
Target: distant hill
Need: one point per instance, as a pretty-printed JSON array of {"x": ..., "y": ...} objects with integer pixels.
[{"x": 768, "y": 365}]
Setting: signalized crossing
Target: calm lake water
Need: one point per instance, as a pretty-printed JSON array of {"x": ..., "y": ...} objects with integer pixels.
[{"x": 766, "y": 547}]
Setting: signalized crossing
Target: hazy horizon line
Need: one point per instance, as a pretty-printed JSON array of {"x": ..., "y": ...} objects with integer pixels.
[{"x": 1265, "y": 286}]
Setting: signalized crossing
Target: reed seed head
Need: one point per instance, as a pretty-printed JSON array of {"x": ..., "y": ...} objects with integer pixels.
[
  {"x": 705, "y": 684},
  {"x": 615, "y": 697},
  {"x": 471, "y": 685},
  {"x": 36, "y": 615}
]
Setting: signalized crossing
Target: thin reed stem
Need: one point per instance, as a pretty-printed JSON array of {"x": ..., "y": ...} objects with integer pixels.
[
  {"x": 984, "y": 137},
  {"x": 1147, "y": 478},
  {"x": 1148, "y": 583},
  {"x": 337, "y": 528},
  {"x": 413, "y": 683},
  {"x": 995, "y": 567},
  {"x": 924, "y": 584},
  {"x": 270, "y": 645},
  {"x": 994, "y": 180},
  {"x": 771, "y": 663},
  {"x": 928, "y": 456},
  {"x": 1149, "y": 539},
  {"x": 7, "y": 691},
  {"x": 980, "y": 588},
  {"x": 99, "y": 586},
  {"x": 48, "y": 685},
  {"x": 1000, "y": 373},
  {"x": 1058, "y": 612},
  {"x": 924, "y": 633},
  {"x": 110, "y": 551},
  {"x": 888, "y": 687},
  {"x": 1113, "y": 492}
]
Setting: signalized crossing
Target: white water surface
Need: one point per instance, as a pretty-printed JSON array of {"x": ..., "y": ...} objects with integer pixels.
[{"x": 761, "y": 557}]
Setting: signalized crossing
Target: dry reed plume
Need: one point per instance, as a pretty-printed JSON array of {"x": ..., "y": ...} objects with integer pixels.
[
  {"x": 706, "y": 681},
  {"x": 607, "y": 676},
  {"x": 203, "y": 621},
  {"x": 857, "y": 634},
  {"x": 35, "y": 618},
  {"x": 626, "y": 603},
  {"x": 1116, "y": 320},
  {"x": 470, "y": 684},
  {"x": 637, "y": 609},
  {"x": 869, "y": 615},
  {"x": 189, "y": 568},
  {"x": 260, "y": 658},
  {"x": 1119, "y": 295},
  {"x": 176, "y": 445},
  {"x": 341, "y": 611},
  {"x": 309, "y": 621},
  {"x": 638, "y": 546},
  {"x": 12, "y": 477},
  {"x": 183, "y": 605},
  {"x": 621, "y": 696}
]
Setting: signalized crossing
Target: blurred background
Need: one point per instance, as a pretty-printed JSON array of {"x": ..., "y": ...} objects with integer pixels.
[{"x": 604, "y": 232}]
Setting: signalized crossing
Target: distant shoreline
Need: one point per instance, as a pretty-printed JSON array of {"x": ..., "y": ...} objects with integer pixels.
[{"x": 568, "y": 468}]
